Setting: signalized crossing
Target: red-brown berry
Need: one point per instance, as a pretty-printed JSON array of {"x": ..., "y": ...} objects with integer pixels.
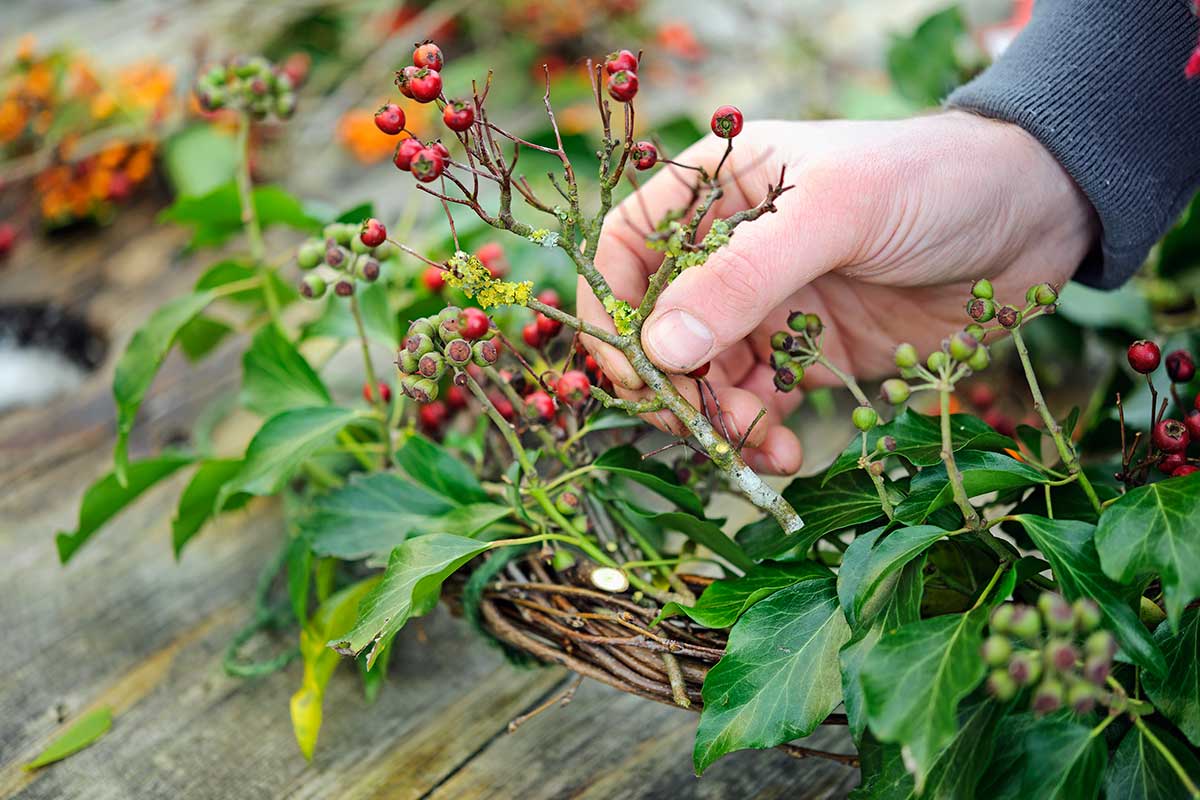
[
  {"x": 385, "y": 392},
  {"x": 573, "y": 388},
  {"x": 531, "y": 334},
  {"x": 432, "y": 416},
  {"x": 456, "y": 398},
  {"x": 503, "y": 406},
  {"x": 1192, "y": 421},
  {"x": 700, "y": 371},
  {"x": 458, "y": 116},
  {"x": 473, "y": 323},
  {"x": 1180, "y": 366},
  {"x": 373, "y": 233},
  {"x": 1171, "y": 436},
  {"x": 550, "y": 298},
  {"x": 549, "y": 328},
  {"x": 623, "y": 85},
  {"x": 404, "y": 80},
  {"x": 1186, "y": 469},
  {"x": 390, "y": 119},
  {"x": 434, "y": 279},
  {"x": 427, "y": 165},
  {"x": 425, "y": 85},
  {"x": 405, "y": 151},
  {"x": 441, "y": 149},
  {"x": 1171, "y": 462},
  {"x": 621, "y": 60},
  {"x": 539, "y": 406},
  {"x": 644, "y": 155},
  {"x": 727, "y": 122},
  {"x": 1143, "y": 356},
  {"x": 429, "y": 55},
  {"x": 8, "y": 238},
  {"x": 491, "y": 255}
]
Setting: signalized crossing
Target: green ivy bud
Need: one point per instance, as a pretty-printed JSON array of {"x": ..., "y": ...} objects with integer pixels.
[
  {"x": 1087, "y": 615},
  {"x": 1031, "y": 295},
  {"x": 1026, "y": 623},
  {"x": 937, "y": 361},
  {"x": 336, "y": 257},
  {"x": 312, "y": 287},
  {"x": 1025, "y": 667},
  {"x": 788, "y": 377},
  {"x": 562, "y": 560},
  {"x": 458, "y": 352},
  {"x": 568, "y": 504},
  {"x": 216, "y": 76},
  {"x": 357, "y": 247},
  {"x": 1008, "y": 317},
  {"x": 338, "y": 232},
  {"x": 895, "y": 391},
  {"x": 906, "y": 356},
  {"x": 423, "y": 326},
  {"x": 447, "y": 329},
  {"x": 976, "y": 330},
  {"x": 484, "y": 353},
  {"x": 797, "y": 321},
  {"x": 285, "y": 105},
  {"x": 1001, "y": 619},
  {"x": 407, "y": 362},
  {"x": 1100, "y": 644},
  {"x": 1081, "y": 697},
  {"x": 781, "y": 340},
  {"x": 996, "y": 650},
  {"x": 962, "y": 346},
  {"x": 980, "y": 359},
  {"x": 449, "y": 313},
  {"x": 813, "y": 325},
  {"x": 385, "y": 251},
  {"x": 311, "y": 254},
  {"x": 1046, "y": 295},
  {"x": 1060, "y": 655},
  {"x": 1059, "y": 616},
  {"x": 981, "y": 310},
  {"x": 419, "y": 344},
  {"x": 1048, "y": 697},
  {"x": 424, "y": 391},
  {"x": 432, "y": 366},
  {"x": 982, "y": 289},
  {"x": 366, "y": 268},
  {"x": 1001, "y": 685},
  {"x": 1096, "y": 669},
  {"x": 864, "y": 418},
  {"x": 886, "y": 444},
  {"x": 779, "y": 358},
  {"x": 876, "y": 468},
  {"x": 409, "y": 382}
]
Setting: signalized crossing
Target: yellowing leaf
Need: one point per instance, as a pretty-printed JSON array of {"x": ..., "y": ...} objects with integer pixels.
[{"x": 85, "y": 731}]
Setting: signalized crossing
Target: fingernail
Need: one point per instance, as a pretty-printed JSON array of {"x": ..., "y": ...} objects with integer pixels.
[{"x": 679, "y": 340}]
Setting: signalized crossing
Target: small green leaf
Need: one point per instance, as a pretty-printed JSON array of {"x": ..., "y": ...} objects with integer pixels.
[
  {"x": 982, "y": 472},
  {"x": 825, "y": 507},
  {"x": 107, "y": 496},
  {"x": 358, "y": 213},
  {"x": 83, "y": 732},
  {"x": 275, "y": 377},
  {"x": 1177, "y": 694},
  {"x": 216, "y": 216},
  {"x": 230, "y": 271},
  {"x": 1152, "y": 529},
  {"x": 140, "y": 362},
  {"x": 924, "y": 66},
  {"x": 627, "y": 462},
  {"x": 1125, "y": 308},
  {"x": 913, "y": 679},
  {"x": 434, "y": 467},
  {"x": 1051, "y": 757},
  {"x": 701, "y": 531},
  {"x": 779, "y": 677},
  {"x": 410, "y": 587},
  {"x": 200, "y": 158},
  {"x": 1068, "y": 546},
  {"x": 882, "y": 562},
  {"x": 919, "y": 440},
  {"x": 200, "y": 337},
  {"x": 196, "y": 504},
  {"x": 724, "y": 601},
  {"x": 299, "y": 577},
  {"x": 1138, "y": 771},
  {"x": 282, "y": 444},
  {"x": 1177, "y": 255}
]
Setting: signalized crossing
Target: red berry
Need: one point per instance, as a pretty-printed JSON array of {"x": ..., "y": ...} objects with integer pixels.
[
  {"x": 434, "y": 279},
  {"x": 473, "y": 323},
  {"x": 1143, "y": 356},
  {"x": 644, "y": 155},
  {"x": 727, "y": 122},
  {"x": 591, "y": 365},
  {"x": 385, "y": 392},
  {"x": 390, "y": 119},
  {"x": 441, "y": 150},
  {"x": 1168, "y": 464},
  {"x": 373, "y": 233},
  {"x": 1192, "y": 68},
  {"x": 547, "y": 327},
  {"x": 532, "y": 335},
  {"x": 573, "y": 388},
  {"x": 8, "y": 238},
  {"x": 622, "y": 60},
  {"x": 458, "y": 116},
  {"x": 425, "y": 85},
  {"x": 1000, "y": 422},
  {"x": 429, "y": 55},
  {"x": 432, "y": 415},
  {"x": 1186, "y": 469},
  {"x": 503, "y": 405},
  {"x": 700, "y": 371},
  {"x": 404, "y": 80},
  {"x": 456, "y": 398},
  {"x": 623, "y": 85},
  {"x": 1171, "y": 436},
  {"x": 1180, "y": 366},
  {"x": 427, "y": 165},
  {"x": 1192, "y": 421},
  {"x": 119, "y": 187},
  {"x": 550, "y": 298},
  {"x": 982, "y": 396},
  {"x": 491, "y": 255},
  {"x": 539, "y": 406},
  {"x": 405, "y": 151}
]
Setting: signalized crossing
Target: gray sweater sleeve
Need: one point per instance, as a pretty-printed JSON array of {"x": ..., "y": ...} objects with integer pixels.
[{"x": 1100, "y": 84}]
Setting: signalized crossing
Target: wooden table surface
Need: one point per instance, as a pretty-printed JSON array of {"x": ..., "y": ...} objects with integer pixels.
[{"x": 127, "y": 626}]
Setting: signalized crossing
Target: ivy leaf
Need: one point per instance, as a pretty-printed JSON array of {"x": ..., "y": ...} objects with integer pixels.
[
  {"x": 1068, "y": 546},
  {"x": 332, "y": 618},
  {"x": 282, "y": 444},
  {"x": 779, "y": 677},
  {"x": 196, "y": 504},
  {"x": 825, "y": 507},
  {"x": 1125, "y": 308},
  {"x": 216, "y": 216},
  {"x": 230, "y": 271},
  {"x": 435, "y": 468},
  {"x": 410, "y": 587},
  {"x": 724, "y": 601},
  {"x": 1049, "y": 757},
  {"x": 1177, "y": 253},
  {"x": 1138, "y": 771},
  {"x": 140, "y": 362},
  {"x": 107, "y": 496},
  {"x": 880, "y": 564},
  {"x": 701, "y": 531},
  {"x": 275, "y": 377},
  {"x": 919, "y": 440},
  {"x": 1177, "y": 693},
  {"x": 84, "y": 732},
  {"x": 627, "y": 462},
  {"x": 1152, "y": 529},
  {"x": 913, "y": 679},
  {"x": 925, "y": 65},
  {"x": 201, "y": 336},
  {"x": 373, "y": 513},
  {"x": 982, "y": 472}
]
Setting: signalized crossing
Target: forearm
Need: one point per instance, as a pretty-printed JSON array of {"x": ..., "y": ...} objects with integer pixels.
[{"x": 1101, "y": 86}]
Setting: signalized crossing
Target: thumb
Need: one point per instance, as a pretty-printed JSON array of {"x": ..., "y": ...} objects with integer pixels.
[{"x": 711, "y": 307}]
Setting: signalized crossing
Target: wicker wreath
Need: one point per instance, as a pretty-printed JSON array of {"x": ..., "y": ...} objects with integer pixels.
[{"x": 561, "y": 618}]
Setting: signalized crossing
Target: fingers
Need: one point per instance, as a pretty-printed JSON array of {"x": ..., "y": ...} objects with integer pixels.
[{"x": 779, "y": 454}]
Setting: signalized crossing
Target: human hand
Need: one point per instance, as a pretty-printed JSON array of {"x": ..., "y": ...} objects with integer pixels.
[{"x": 886, "y": 228}]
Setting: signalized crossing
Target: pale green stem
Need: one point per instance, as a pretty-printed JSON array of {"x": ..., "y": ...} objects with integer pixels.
[
  {"x": 1168, "y": 756},
  {"x": 372, "y": 381},
  {"x": 250, "y": 223},
  {"x": 970, "y": 515}
]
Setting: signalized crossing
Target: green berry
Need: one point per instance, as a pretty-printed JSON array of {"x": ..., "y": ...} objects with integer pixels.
[
  {"x": 1001, "y": 685},
  {"x": 458, "y": 352},
  {"x": 797, "y": 321},
  {"x": 357, "y": 247},
  {"x": 423, "y": 326},
  {"x": 1060, "y": 655},
  {"x": 937, "y": 361},
  {"x": 779, "y": 358},
  {"x": 432, "y": 366},
  {"x": 1008, "y": 316},
  {"x": 562, "y": 560},
  {"x": 895, "y": 391},
  {"x": 1025, "y": 667},
  {"x": 982, "y": 289},
  {"x": 1026, "y": 623},
  {"x": 1087, "y": 615},
  {"x": 980, "y": 359},
  {"x": 976, "y": 330},
  {"x": 996, "y": 650},
  {"x": 424, "y": 390},
  {"x": 1100, "y": 644},
  {"x": 1001, "y": 619},
  {"x": 906, "y": 356},
  {"x": 886, "y": 444},
  {"x": 568, "y": 504},
  {"x": 781, "y": 340},
  {"x": 813, "y": 325},
  {"x": 962, "y": 346},
  {"x": 788, "y": 377},
  {"x": 419, "y": 344},
  {"x": 407, "y": 362},
  {"x": 1059, "y": 616},
  {"x": 864, "y": 418},
  {"x": 1096, "y": 669},
  {"x": 1045, "y": 295},
  {"x": 980, "y": 309},
  {"x": 484, "y": 353},
  {"x": 311, "y": 254},
  {"x": 1048, "y": 697},
  {"x": 312, "y": 287},
  {"x": 1081, "y": 697}
]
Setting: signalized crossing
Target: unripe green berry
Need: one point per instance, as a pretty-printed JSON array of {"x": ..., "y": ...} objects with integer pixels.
[
  {"x": 1008, "y": 317},
  {"x": 813, "y": 325},
  {"x": 1031, "y": 295},
  {"x": 1096, "y": 669},
  {"x": 311, "y": 254},
  {"x": 779, "y": 358},
  {"x": 484, "y": 353},
  {"x": 385, "y": 251},
  {"x": 797, "y": 321},
  {"x": 982, "y": 289},
  {"x": 895, "y": 391},
  {"x": 1060, "y": 655},
  {"x": 980, "y": 359},
  {"x": 312, "y": 287},
  {"x": 876, "y": 468},
  {"x": 447, "y": 330},
  {"x": 357, "y": 247},
  {"x": 1001, "y": 618},
  {"x": 886, "y": 444},
  {"x": 781, "y": 340},
  {"x": 1048, "y": 697},
  {"x": 1087, "y": 615},
  {"x": 1001, "y": 685},
  {"x": 1025, "y": 667},
  {"x": 1026, "y": 623},
  {"x": 449, "y": 313},
  {"x": 962, "y": 346},
  {"x": 407, "y": 362},
  {"x": 339, "y": 233},
  {"x": 422, "y": 325},
  {"x": 976, "y": 330},
  {"x": 424, "y": 390},
  {"x": 864, "y": 418},
  {"x": 906, "y": 356},
  {"x": 981, "y": 310},
  {"x": 568, "y": 504},
  {"x": 1081, "y": 697},
  {"x": 788, "y": 377},
  {"x": 1100, "y": 644},
  {"x": 366, "y": 268},
  {"x": 1057, "y": 612},
  {"x": 996, "y": 650},
  {"x": 419, "y": 344},
  {"x": 432, "y": 366},
  {"x": 458, "y": 352},
  {"x": 937, "y": 361},
  {"x": 562, "y": 560}
]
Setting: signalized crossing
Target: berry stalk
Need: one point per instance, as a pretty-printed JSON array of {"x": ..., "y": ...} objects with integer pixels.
[{"x": 250, "y": 221}]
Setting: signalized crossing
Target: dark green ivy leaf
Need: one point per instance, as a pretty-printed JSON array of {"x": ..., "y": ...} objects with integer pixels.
[
  {"x": 1177, "y": 693},
  {"x": 724, "y": 601},
  {"x": 1138, "y": 771},
  {"x": 1051, "y": 757},
  {"x": 275, "y": 377},
  {"x": 982, "y": 472},
  {"x": 435, "y": 468},
  {"x": 196, "y": 504},
  {"x": 875, "y": 564},
  {"x": 627, "y": 462},
  {"x": 216, "y": 216},
  {"x": 701, "y": 531}
]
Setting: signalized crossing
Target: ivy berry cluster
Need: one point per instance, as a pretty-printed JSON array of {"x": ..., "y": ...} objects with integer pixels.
[
  {"x": 1057, "y": 647},
  {"x": 252, "y": 85},
  {"x": 1170, "y": 439},
  {"x": 344, "y": 254}
]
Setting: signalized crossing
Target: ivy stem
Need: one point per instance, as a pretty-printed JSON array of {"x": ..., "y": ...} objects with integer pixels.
[
  {"x": 880, "y": 489},
  {"x": 1066, "y": 450},
  {"x": 250, "y": 223},
  {"x": 845, "y": 378},
  {"x": 372, "y": 381},
  {"x": 970, "y": 515},
  {"x": 1167, "y": 755}
]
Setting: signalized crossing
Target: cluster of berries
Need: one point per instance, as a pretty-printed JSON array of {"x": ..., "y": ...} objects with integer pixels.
[
  {"x": 726, "y": 123},
  {"x": 1169, "y": 438},
  {"x": 621, "y": 68},
  {"x": 448, "y": 342},
  {"x": 982, "y": 306},
  {"x": 423, "y": 82},
  {"x": 542, "y": 329},
  {"x": 351, "y": 252},
  {"x": 1058, "y": 646},
  {"x": 253, "y": 85},
  {"x": 795, "y": 349},
  {"x": 491, "y": 255}
]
